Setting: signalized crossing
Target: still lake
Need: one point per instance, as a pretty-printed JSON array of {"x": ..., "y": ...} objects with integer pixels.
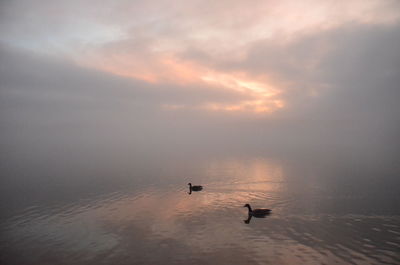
[{"x": 325, "y": 210}]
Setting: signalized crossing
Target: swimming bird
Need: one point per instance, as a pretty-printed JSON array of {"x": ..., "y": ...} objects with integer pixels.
[
  {"x": 195, "y": 188},
  {"x": 257, "y": 212}
]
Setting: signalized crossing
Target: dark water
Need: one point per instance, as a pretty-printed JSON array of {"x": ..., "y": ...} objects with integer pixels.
[{"x": 325, "y": 210}]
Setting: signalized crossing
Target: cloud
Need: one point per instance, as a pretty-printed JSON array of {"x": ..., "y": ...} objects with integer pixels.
[
  {"x": 187, "y": 42},
  {"x": 33, "y": 75},
  {"x": 210, "y": 25},
  {"x": 279, "y": 74}
]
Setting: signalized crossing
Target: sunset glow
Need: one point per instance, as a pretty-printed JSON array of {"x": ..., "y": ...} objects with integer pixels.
[
  {"x": 199, "y": 132},
  {"x": 256, "y": 53}
]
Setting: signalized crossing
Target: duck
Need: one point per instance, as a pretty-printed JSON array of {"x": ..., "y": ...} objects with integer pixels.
[
  {"x": 257, "y": 212},
  {"x": 195, "y": 188}
]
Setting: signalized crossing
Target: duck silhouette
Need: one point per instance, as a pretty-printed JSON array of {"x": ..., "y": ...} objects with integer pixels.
[
  {"x": 194, "y": 188},
  {"x": 258, "y": 213}
]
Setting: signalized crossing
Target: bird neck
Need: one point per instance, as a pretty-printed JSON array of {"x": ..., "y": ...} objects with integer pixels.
[{"x": 248, "y": 206}]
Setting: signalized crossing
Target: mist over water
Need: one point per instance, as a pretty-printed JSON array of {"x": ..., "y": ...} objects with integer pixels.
[
  {"x": 324, "y": 210},
  {"x": 103, "y": 196},
  {"x": 94, "y": 169}
]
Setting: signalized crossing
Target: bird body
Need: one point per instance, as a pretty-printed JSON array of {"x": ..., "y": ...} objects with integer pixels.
[
  {"x": 195, "y": 188},
  {"x": 262, "y": 212}
]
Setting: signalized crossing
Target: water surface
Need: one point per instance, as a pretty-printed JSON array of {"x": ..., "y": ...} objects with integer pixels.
[{"x": 324, "y": 211}]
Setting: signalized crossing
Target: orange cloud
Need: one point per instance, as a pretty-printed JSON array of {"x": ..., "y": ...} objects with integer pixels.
[
  {"x": 152, "y": 47},
  {"x": 165, "y": 68}
]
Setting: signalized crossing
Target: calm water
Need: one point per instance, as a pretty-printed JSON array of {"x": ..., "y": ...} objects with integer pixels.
[{"x": 331, "y": 210}]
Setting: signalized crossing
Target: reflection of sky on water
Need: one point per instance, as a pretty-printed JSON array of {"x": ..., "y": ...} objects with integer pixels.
[{"x": 162, "y": 223}]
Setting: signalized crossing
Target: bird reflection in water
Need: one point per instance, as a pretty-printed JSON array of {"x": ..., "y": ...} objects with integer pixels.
[
  {"x": 194, "y": 188},
  {"x": 257, "y": 213}
]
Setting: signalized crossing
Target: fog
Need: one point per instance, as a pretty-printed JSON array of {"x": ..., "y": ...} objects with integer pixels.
[
  {"x": 108, "y": 109},
  {"x": 101, "y": 93},
  {"x": 49, "y": 105}
]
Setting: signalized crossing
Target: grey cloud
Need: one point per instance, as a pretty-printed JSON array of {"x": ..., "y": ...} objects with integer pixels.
[
  {"x": 47, "y": 102},
  {"x": 362, "y": 74},
  {"x": 342, "y": 86},
  {"x": 351, "y": 72},
  {"x": 356, "y": 81},
  {"x": 36, "y": 76}
]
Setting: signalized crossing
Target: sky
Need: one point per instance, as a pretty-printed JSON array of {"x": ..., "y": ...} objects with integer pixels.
[{"x": 150, "y": 72}]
